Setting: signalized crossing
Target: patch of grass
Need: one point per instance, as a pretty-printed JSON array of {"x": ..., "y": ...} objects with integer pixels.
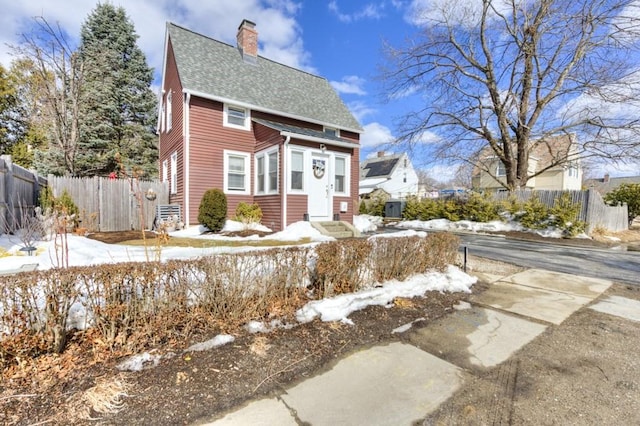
[{"x": 206, "y": 243}]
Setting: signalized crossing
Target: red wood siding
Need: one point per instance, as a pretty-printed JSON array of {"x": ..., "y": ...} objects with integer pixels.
[
  {"x": 209, "y": 139},
  {"x": 271, "y": 210},
  {"x": 296, "y": 208},
  {"x": 173, "y": 140}
]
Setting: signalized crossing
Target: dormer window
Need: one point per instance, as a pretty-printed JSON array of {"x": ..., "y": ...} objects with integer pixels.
[
  {"x": 236, "y": 117},
  {"x": 331, "y": 131}
]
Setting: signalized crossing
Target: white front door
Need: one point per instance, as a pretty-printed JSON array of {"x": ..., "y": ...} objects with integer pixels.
[{"x": 319, "y": 190}]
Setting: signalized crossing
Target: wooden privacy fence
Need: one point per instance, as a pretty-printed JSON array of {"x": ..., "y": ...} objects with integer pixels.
[
  {"x": 112, "y": 204},
  {"x": 595, "y": 212},
  {"x": 19, "y": 192}
]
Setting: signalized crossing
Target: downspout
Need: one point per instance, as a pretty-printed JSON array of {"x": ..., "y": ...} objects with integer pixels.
[
  {"x": 284, "y": 182},
  {"x": 187, "y": 157}
]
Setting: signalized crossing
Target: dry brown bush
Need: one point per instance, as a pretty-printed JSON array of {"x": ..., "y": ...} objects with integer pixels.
[
  {"x": 342, "y": 267},
  {"x": 134, "y": 306}
]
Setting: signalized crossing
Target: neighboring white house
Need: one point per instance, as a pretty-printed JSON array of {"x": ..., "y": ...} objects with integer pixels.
[{"x": 393, "y": 174}]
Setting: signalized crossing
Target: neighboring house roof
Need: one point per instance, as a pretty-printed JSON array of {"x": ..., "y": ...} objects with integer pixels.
[
  {"x": 379, "y": 167},
  {"x": 607, "y": 184},
  {"x": 213, "y": 69}
]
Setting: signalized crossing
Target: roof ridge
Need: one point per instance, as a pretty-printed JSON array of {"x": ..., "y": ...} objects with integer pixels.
[{"x": 235, "y": 48}]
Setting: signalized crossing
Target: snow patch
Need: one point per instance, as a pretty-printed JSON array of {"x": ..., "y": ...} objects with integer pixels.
[{"x": 219, "y": 340}]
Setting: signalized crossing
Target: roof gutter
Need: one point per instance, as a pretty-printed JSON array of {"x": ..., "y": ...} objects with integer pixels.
[
  {"x": 320, "y": 140},
  {"x": 267, "y": 110}
]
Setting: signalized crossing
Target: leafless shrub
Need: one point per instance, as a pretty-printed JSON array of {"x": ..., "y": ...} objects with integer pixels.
[
  {"x": 342, "y": 267},
  {"x": 132, "y": 306}
]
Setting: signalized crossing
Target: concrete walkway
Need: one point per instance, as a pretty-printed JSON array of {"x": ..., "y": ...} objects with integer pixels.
[{"x": 401, "y": 383}]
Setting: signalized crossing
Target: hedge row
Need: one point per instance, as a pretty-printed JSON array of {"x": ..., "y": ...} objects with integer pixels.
[{"x": 132, "y": 306}]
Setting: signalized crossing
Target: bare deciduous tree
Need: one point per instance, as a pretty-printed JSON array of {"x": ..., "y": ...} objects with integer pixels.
[
  {"x": 57, "y": 70},
  {"x": 504, "y": 76}
]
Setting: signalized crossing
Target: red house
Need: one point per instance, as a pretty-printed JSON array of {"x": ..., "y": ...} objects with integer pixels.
[{"x": 261, "y": 131}]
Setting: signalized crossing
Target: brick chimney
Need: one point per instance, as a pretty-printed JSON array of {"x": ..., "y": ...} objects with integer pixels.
[
  {"x": 247, "y": 39},
  {"x": 380, "y": 154}
]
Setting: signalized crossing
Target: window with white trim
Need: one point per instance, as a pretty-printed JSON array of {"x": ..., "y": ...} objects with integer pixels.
[
  {"x": 236, "y": 117},
  {"x": 340, "y": 178},
  {"x": 501, "y": 170},
  {"x": 297, "y": 171},
  {"x": 165, "y": 171},
  {"x": 267, "y": 172},
  {"x": 163, "y": 108},
  {"x": 573, "y": 170},
  {"x": 331, "y": 131},
  {"x": 174, "y": 172},
  {"x": 236, "y": 172},
  {"x": 260, "y": 183},
  {"x": 169, "y": 110}
]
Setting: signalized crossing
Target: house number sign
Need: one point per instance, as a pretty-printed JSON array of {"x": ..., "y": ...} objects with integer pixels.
[{"x": 318, "y": 168}]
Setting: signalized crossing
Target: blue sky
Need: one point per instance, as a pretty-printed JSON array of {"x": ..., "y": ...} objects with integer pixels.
[{"x": 340, "y": 40}]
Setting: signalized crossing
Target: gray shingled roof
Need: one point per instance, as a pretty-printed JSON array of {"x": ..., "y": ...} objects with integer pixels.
[
  {"x": 301, "y": 131},
  {"x": 606, "y": 185},
  {"x": 216, "y": 69}
]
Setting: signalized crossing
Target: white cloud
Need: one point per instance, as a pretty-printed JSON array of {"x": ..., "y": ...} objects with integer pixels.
[
  {"x": 361, "y": 110},
  {"x": 375, "y": 135},
  {"x": 278, "y": 31},
  {"x": 442, "y": 173},
  {"x": 454, "y": 12},
  {"x": 369, "y": 11},
  {"x": 351, "y": 84}
]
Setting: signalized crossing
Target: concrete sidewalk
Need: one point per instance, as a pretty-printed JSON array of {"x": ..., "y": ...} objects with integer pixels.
[{"x": 401, "y": 383}]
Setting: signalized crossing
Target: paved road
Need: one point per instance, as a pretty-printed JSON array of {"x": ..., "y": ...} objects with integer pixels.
[{"x": 617, "y": 265}]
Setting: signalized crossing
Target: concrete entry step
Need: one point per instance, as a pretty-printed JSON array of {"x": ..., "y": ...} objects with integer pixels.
[{"x": 336, "y": 229}]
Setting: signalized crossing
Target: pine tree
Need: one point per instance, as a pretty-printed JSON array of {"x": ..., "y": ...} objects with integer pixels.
[
  {"x": 119, "y": 108},
  {"x": 11, "y": 125}
]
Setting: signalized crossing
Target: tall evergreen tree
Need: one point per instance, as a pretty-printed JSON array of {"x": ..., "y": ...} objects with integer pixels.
[
  {"x": 11, "y": 125},
  {"x": 118, "y": 106}
]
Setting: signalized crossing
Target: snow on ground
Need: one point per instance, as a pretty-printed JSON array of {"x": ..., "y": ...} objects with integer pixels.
[{"x": 83, "y": 251}]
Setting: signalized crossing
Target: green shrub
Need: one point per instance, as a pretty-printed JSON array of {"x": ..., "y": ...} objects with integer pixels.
[
  {"x": 248, "y": 213},
  {"x": 536, "y": 214},
  {"x": 374, "y": 206},
  {"x": 422, "y": 209},
  {"x": 512, "y": 206},
  {"x": 65, "y": 205},
  {"x": 450, "y": 209},
  {"x": 212, "y": 212},
  {"x": 564, "y": 216},
  {"x": 362, "y": 208},
  {"x": 412, "y": 209},
  {"x": 480, "y": 208},
  {"x": 626, "y": 193},
  {"x": 46, "y": 199}
]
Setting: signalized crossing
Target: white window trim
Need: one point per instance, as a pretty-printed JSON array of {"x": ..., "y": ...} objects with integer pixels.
[
  {"x": 337, "y": 131},
  {"x": 304, "y": 174},
  {"x": 498, "y": 167},
  {"x": 265, "y": 154},
  {"x": 247, "y": 118},
  {"x": 165, "y": 171},
  {"x": 174, "y": 172},
  {"x": 347, "y": 175},
  {"x": 247, "y": 172},
  {"x": 169, "y": 110},
  {"x": 163, "y": 108}
]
